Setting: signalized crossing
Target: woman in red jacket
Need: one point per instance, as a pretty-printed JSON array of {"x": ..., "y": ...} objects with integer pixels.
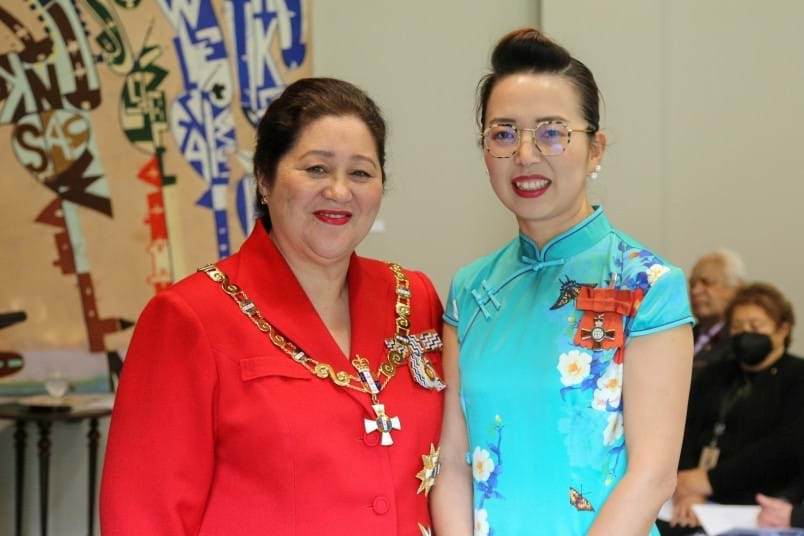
[{"x": 268, "y": 394}]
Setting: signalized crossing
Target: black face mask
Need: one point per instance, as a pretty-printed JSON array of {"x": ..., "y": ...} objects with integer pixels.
[{"x": 751, "y": 348}]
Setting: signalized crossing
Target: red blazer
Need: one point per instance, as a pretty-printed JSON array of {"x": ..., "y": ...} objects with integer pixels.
[{"x": 217, "y": 432}]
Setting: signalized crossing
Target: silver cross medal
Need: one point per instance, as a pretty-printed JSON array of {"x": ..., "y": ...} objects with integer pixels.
[{"x": 383, "y": 424}]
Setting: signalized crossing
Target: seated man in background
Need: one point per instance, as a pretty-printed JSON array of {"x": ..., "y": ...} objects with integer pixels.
[{"x": 714, "y": 281}]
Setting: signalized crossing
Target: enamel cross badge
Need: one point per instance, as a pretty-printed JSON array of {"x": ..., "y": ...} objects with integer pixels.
[
  {"x": 604, "y": 314},
  {"x": 383, "y": 424},
  {"x": 598, "y": 333}
]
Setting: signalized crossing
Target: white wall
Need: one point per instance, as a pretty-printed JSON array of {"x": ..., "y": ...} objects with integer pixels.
[
  {"x": 704, "y": 114},
  {"x": 421, "y": 62}
]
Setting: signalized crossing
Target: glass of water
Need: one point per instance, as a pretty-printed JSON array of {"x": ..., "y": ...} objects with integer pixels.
[{"x": 56, "y": 384}]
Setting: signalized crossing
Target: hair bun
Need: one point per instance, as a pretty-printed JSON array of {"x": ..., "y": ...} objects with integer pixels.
[{"x": 528, "y": 48}]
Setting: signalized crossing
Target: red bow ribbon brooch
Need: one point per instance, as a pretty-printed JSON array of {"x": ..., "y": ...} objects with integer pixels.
[{"x": 601, "y": 326}]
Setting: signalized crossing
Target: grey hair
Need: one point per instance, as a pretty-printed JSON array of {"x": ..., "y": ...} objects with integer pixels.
[{"x": 733, "y": 265}]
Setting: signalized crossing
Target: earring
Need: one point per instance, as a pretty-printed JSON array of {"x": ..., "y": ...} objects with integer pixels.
[
  {"x": 595, "y": 174},
  {"x": 265, "y": 200}
]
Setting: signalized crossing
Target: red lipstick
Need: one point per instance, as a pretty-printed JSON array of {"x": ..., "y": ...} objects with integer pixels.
[
  {"x": 333, "y": 217},
  {"x": 530, "y": 186}
]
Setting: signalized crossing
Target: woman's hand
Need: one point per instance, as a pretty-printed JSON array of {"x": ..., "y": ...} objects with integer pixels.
[
  {"x": 693, "y": 482},
  {"x": 775, "y": 513},
  {"x": 682, "y": 510}
]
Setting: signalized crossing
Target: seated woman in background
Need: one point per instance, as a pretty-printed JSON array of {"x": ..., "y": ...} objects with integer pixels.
[
  {"x": 267, "y": 394},
  {"x": 741, "y": 410}
]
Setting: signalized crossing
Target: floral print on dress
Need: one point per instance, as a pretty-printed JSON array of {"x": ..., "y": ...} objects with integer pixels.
[
  {"x": 481, "y": 522},
  {"x": 656, "y": 271},
  {"x": 653, "y": 268},
  {"x": 609, "y": 388},
  {"x": 482, "y": 465},
  {"x": 574, "y": 366},
  {"x": 592, "y": 384},
  {"x": 486, "y": 472},
  {"x": 580, "y": 371},
  {"x": 565, "y": 414},
  {"x": 614, "y": 428}
]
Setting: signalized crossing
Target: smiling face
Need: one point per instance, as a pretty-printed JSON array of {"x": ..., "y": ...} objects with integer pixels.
[
  {"x": 326, "y": 192},
  {"x": 547, "y": 194}
]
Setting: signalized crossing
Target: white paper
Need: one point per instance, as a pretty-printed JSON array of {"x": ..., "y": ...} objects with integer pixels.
[
  {"x": 719, "y": 518},
  {"x": 666, "y": 511}
]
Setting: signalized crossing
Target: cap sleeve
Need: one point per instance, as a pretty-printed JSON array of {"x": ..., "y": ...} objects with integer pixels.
[
  {"x": 451, "y": 315},
  {"x": 665, "y": 305}
]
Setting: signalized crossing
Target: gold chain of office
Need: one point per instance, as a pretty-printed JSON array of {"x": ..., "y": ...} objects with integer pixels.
[{"x": 364, "y": 382}]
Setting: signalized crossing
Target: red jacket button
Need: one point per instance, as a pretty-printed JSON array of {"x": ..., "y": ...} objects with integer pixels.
[
  {"x": 372, "y": 439},
  {"x": 381, "y": 505}
]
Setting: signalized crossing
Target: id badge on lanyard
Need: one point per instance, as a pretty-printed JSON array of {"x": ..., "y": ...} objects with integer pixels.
[
  {"x": 710, "y": 454},
  {"x": 709, "y": 457}
]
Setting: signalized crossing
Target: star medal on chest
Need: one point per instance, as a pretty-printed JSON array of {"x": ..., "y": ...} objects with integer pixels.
[
  {"x": 364, "y": 381},
  {"x": 429, "y": 472}
]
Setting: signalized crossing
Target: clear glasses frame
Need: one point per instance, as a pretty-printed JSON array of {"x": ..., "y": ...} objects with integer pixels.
[{"x": 518, "y": 131}]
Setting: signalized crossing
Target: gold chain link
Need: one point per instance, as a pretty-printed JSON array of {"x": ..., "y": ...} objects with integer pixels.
[{"x": 395, "y": 358}]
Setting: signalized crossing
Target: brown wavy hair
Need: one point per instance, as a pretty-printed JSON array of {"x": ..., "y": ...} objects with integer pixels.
[{"x": 771, "y": 300}]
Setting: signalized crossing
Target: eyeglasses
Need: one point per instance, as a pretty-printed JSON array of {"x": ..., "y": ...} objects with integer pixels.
[{"x": 550, "y": 137}]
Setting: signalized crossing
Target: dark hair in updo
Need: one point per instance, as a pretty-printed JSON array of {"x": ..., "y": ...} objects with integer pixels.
[
  {"x": 300, "y": 104},
  {"x": 529, "y": 51}
]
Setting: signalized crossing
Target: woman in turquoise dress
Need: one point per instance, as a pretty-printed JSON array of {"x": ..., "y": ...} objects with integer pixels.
[{"x": 568, "y": 351}]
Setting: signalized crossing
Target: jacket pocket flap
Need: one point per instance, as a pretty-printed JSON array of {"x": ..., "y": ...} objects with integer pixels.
[{"x": 258, "y": 367}]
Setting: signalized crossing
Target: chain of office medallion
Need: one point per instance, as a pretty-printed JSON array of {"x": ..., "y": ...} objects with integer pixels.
[{"x": 394, "y": 359}]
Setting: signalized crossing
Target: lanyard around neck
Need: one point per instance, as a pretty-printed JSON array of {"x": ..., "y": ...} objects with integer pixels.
[{"x": 740, "y": 389}]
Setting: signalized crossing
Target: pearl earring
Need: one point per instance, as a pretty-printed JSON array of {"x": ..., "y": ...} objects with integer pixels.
[
  {"x": 265, "y": 200},
  {"x": 596, "y": 173}
]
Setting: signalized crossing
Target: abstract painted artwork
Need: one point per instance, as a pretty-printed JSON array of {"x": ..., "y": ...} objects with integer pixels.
[{"x": 128, "y": 128}]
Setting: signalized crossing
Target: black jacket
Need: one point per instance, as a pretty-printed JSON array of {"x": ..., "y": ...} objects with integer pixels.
[{"x": 760, "y": 450}]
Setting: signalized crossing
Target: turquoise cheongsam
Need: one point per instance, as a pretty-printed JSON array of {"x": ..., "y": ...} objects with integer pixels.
[{"x": 541, "y": 337}]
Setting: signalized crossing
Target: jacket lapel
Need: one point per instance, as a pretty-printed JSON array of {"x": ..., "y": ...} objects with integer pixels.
[
  {"x": 269, "y": 282},
  {"x": 371, "y": 311},
  {"x": 371, "y": 307}
]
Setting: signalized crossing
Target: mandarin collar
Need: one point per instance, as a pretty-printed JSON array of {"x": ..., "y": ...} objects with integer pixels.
[{"x": 571, "y": 242}]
